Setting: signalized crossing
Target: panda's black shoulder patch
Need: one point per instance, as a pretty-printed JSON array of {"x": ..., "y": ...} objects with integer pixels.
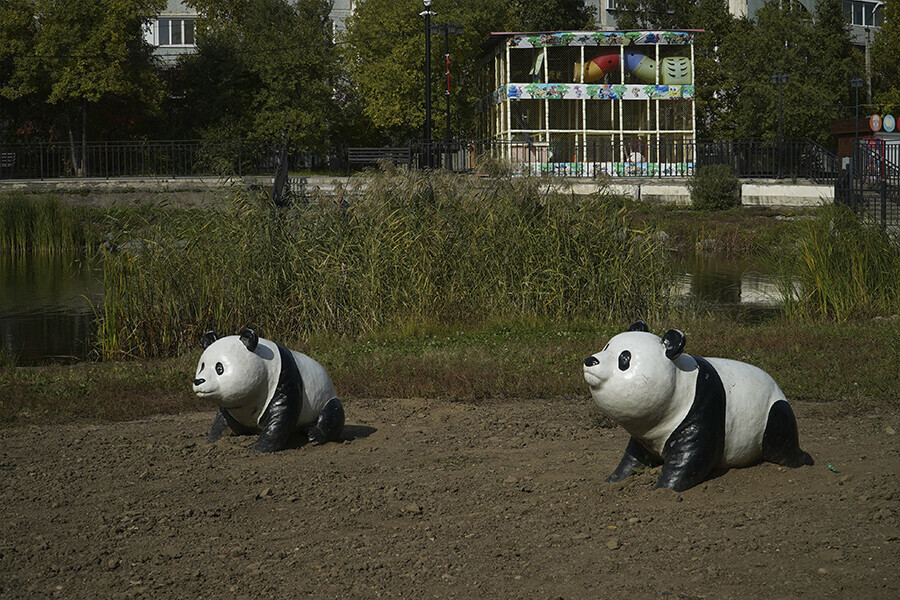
[
  {"x": 698, "y": 443},
  {"x": 280, "y": 417}
]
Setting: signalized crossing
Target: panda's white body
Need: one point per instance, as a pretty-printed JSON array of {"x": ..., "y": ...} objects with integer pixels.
[
  {"x": 248, "y": 383},
  {"x": 260, "y": 385},
  {"x": 750, "y": 393},
  {"x": 651, "y": 389}
]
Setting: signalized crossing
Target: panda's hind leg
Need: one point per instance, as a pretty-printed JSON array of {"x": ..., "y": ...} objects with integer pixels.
[
  {"x": 781, "y": 443},
  {"x": 330, "y": 424}
]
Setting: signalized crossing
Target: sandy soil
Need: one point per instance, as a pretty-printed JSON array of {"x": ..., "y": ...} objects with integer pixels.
[{"x": 441, "y": 499}]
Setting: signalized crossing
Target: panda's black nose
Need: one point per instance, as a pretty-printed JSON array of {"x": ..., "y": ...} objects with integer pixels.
[
  {"x": 591, "y": 361},
  {"x": 199, "y": 381}
]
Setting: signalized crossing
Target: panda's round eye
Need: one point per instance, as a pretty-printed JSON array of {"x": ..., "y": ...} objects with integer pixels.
[
  {"x": 624, "y": 360},
  {"x": 219, "y": 368}
]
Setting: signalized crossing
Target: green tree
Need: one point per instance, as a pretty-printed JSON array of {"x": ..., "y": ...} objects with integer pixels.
[
  {"x": 736, "y": 58},
  {"x": 550, "y": 15},
  {"x": 815, "y": 53},
  {"x": 654, "y": 14},
  {"x": 263, "y": 67},
  {"x": 16, "y": 37},
  {"x": 885, "y": 64},
  {"x": 78, "y": 56},
  {"x": 384, "y": 58}
]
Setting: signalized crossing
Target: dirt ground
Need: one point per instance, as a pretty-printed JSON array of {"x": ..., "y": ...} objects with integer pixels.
[{"x": 441, "y": 499}]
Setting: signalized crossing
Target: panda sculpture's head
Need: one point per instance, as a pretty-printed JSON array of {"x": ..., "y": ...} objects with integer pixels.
[
  {"x": 633, "y": 378},
  {"x": 231, "y": 371}
]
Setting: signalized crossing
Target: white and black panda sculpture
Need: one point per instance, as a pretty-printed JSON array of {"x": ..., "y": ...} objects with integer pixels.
[
  {"x": 261, "y": 386},
  {"x": 690, "y": 414}
]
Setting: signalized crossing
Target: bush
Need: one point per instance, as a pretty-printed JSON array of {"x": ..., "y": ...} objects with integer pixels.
[{"x": 714, "y": 187}]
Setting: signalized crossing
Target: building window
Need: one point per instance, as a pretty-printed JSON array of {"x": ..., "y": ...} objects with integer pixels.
[
  {"x": 864, "y": 14},
  {"x": 175, "y": 32}
]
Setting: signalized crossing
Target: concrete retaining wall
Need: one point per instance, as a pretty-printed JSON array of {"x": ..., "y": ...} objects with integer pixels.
[
  {"x": 666, "y": 191},
  {"x": 753, "y": 193}
]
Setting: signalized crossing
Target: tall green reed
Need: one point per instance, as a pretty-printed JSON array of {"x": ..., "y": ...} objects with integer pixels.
[
  {"x": 39, "y": 226},
  {"x": 844, "y": 268},
  {"x": 410, "y": 249}
]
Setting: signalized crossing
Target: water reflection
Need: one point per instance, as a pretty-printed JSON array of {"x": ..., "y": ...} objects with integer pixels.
[
  {"x": 46, "y": 312},
  {"x": 725, "y": 282}
]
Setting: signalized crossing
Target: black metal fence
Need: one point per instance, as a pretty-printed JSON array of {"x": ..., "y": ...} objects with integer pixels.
[
  {"x": 760, "y": 159},
  {"x": 177, "y": 158},
  {"x": 639, "y": 157},
  {"x": 874, "y": 189}
]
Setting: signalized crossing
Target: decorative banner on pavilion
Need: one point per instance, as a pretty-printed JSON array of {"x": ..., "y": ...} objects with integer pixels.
[
  {"x": 600, "y": 38},
  {"x": 579, "y": 91}
]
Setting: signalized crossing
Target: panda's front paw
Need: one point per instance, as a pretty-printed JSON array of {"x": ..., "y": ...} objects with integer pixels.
[
  {"x": 316, "y": 436},
  {"x": 617, "y": 477}
]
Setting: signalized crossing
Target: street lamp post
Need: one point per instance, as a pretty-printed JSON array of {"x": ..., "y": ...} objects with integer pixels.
[
  {"x": 779, "y": 79},
  {"x": 855, "y": 83},
  {"x": 446, "y": 29},
  {"x": 427, "y": 13}
]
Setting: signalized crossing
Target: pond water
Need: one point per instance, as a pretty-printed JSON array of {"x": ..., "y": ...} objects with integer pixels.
[
  {"x": 46, "y": 308},
  {"x": 723, "y": 282},
  {"x": 47, "y": 305}
]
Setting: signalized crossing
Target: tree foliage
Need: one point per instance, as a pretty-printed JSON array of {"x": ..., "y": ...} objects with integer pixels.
[
  {"x": 737, "y": 57},
  {"x": 263, "y": 68},
  {"x": 383, "y": 54},
  {"x": 814, "y": 51},
  {"x": 654, "y": 14},
  {"x": 79, "y": 57},
  {"x": 885, "y": 64},
  {"x": 550, "y": 15}
]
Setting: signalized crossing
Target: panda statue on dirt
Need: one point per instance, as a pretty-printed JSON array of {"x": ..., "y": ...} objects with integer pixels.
[
  {"x": 690, "y": 414},
  {"x": 261, "y": 386}
]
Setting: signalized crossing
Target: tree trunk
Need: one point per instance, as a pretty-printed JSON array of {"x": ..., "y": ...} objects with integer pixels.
[
  {"x": 77, "y": 153},
  {"x": 84, "y": 121},
  {"x": 72, "y": 149}
]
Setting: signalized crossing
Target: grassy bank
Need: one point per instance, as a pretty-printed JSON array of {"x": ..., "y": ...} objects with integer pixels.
[
  {"x": 854, "y": 363},
  {"x": 464, "y": 289}
]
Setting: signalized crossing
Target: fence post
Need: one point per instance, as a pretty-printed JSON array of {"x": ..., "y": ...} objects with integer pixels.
[{"x": 41, "y": 158}]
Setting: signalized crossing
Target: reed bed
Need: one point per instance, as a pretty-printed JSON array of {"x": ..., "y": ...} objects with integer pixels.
[
  {"x": 39, "y": 226},
  {"x": 399, "y": 251},
  {"x": 844, "y": 268}
]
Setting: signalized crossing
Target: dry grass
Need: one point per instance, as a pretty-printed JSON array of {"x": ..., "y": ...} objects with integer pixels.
[{"x": 411, "y": 250}]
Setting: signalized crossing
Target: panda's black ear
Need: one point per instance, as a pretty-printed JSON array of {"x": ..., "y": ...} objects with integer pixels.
[
  {"x": 674, "y": 341},
  {"x": 250, "y": 339},
  {"x": 638, "y": 326},
  {"x": 208, "y": 338}
]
